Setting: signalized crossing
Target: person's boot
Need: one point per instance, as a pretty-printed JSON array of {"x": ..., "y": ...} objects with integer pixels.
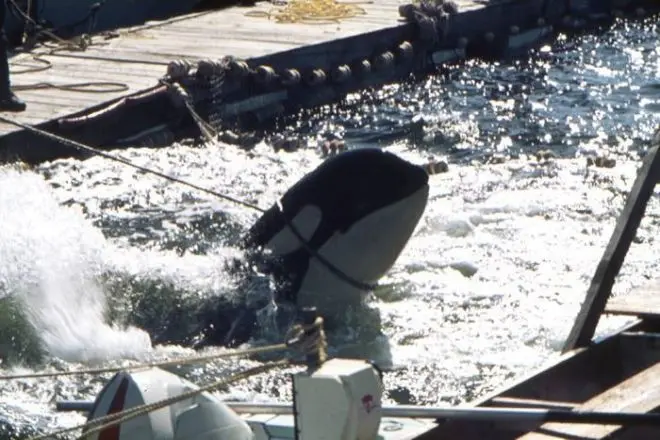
[{"x": 8, "y": 100}]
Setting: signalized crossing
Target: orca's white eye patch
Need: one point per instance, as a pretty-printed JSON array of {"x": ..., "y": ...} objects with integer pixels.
[{"x": 306, "y": 221}]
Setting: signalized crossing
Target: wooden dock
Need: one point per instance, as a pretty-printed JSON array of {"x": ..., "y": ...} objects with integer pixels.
[
  {"x": 135, "y": 58},
  {"x": 64, "y": 78},
  {"x": 93, "y": 90},
  {"x": 643, "y": 302}
]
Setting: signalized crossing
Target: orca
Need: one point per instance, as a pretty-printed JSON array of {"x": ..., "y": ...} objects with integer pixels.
[{"x": 330, "y": 237}]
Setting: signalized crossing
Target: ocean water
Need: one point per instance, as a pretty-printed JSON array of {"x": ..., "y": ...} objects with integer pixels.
[{"x": 95, "y": 257}]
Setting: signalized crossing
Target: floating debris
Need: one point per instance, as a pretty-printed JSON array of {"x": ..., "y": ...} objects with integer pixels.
[
  {"x": 466, "y": 268},
  {"x": 248, "y": 141},
  {"x": 495, "y": 159}
]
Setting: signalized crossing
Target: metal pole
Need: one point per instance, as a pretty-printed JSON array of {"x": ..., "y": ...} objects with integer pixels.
[{"x": 449, "y": 413}]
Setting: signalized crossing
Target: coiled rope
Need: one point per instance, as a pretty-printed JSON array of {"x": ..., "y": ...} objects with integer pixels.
[
  {"x": 81, "y": 45},
  {"x": 312, "y": 11}
]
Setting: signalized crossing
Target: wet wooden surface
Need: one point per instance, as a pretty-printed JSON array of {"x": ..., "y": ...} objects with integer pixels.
[
  {"x": 643, "y": 302},
  {"x": 638, "y": 394},
  {"x": 135, "y": 58}
]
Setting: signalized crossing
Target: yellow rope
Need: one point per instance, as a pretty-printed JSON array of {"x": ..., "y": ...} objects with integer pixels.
[
  {"x": 312, "y": 11},
  {"x": 97, "y": 425},
  {"x": 192, "y": 360}
]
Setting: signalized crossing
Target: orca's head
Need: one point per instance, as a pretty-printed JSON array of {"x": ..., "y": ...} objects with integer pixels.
[{"x": 357, "y": 211}]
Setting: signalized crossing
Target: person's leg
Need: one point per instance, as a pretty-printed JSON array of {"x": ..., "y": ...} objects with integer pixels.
[{"x": 8, "y": 101}]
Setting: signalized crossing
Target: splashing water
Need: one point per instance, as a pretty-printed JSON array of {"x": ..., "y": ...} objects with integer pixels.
[
  {"x": 50, "y": 258},
  {"x": 486, "y": 289}
]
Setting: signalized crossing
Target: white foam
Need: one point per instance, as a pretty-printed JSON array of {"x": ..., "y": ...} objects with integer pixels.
[
  {"x": 49, "y": 258},
  {"x": 530, "y": 240}
]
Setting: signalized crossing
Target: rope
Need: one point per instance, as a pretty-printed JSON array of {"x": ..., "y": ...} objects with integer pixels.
[
  {"x": 312, "y": 11},
  {"x": 46, "y": 64},
  {"x": 312, "y": 252},
  {"x": 28, "y": 12},
  {"x": 83, "y": 43},
  {"x": 166, "y": 22},
  {"x": 184, "y": 361},
  {"x": 306, "y": 339},
  {"x": 119, "y": 159},
  {"x": 204, "y": 127},
  {"x": 97, "y": 425},
  {"x": 82, "y": 87}
]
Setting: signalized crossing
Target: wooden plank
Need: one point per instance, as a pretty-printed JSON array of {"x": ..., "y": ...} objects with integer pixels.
[
  {"x": 139, "y": 55},
  {"x": 643, "y": 302},
  {"x": 48, "y": 103},
  {"x": 609, "y": 266},
  {"x": 640, "y": 393},
  {"x": 576, "y": 376}
]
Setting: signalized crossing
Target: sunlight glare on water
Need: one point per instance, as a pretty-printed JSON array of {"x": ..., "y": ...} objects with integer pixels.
[{"x": 100, "y": 255}]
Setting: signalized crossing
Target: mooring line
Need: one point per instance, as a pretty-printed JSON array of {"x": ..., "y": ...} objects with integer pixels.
[
  {"x": 95, "y": 426},
  {"x": 332, "y": 268},
  {"x": 308, "y": 338},
  {"x": 168, "y": 363},
  {"x": 119, "y": 159}
]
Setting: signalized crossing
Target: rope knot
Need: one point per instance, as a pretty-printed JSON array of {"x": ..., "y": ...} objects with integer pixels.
[
  {"x": 179, "y": 95},
  {"x": 309, "y": 339}
]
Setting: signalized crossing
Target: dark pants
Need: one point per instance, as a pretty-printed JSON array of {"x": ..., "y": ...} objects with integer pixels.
[{"x": 4, "y": 46}]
